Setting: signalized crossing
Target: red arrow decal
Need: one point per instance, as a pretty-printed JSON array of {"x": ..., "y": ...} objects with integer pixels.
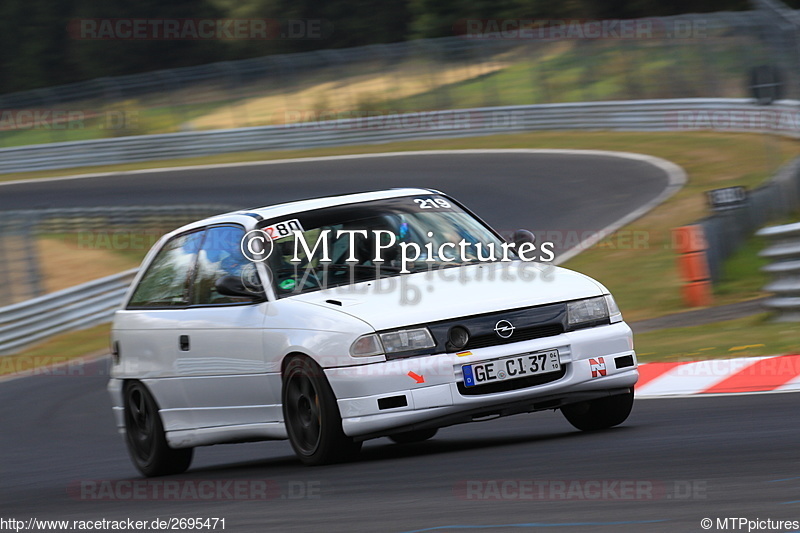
[{"x": 416, "y": 377}]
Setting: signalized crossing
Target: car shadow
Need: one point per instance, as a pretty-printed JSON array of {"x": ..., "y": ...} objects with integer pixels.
[{"x": 383, "y": 450}]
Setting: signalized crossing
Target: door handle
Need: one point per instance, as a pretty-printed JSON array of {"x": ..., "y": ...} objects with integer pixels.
[{"x": 184, "y": 343}]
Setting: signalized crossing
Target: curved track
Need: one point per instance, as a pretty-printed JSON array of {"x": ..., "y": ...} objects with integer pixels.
[
  {"x": 687, "y": 459},
  {"x": 563, "y": 195}
]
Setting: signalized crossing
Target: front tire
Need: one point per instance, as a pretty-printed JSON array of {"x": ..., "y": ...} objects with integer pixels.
[
  {"x": 601, "y": 413},
  {"x": 312, "y": 416},
  {"x": 144, "y": 435}
]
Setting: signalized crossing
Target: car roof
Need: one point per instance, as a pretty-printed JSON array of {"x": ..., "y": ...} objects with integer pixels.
[{"x": 299, "y": 206}]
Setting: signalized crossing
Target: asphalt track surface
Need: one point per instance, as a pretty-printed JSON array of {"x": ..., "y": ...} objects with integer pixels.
[
  {"x": 691, "y": 458},
  {"x": 673, "y": 463},
  {"x": 566, "y": 194}
]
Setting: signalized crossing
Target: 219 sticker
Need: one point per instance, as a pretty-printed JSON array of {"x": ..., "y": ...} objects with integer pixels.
[{"x": 432, "y": 203}]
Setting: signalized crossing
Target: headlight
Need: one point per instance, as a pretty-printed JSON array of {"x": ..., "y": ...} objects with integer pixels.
[
  {"x": 407, "y": 340},
  {"x": 404, "y": 340},
  {"x": 614, "y": 314},
  {"x": 587, "y": 312},
  {"x": 366, "y": 345}
]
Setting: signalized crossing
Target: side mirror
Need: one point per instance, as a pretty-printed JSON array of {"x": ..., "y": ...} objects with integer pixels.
[
  {"x": 234, "y": 286},
  {"x": 522, "y": 236}
]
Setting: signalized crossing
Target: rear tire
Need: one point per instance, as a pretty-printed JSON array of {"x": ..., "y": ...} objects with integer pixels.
[
  {"x": 312, "y": 415},
  {"x": 144, "y": 435},
  {"x": 601, "y": 413},
  {"x": 410, "y": 437}
]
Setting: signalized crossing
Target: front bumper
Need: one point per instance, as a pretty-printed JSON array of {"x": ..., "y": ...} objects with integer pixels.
[{"x": 403, "y": 394}]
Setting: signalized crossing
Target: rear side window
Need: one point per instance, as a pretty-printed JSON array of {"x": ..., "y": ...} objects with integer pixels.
[
  {"x": 221, "y": 255},
  {"x": 165, "y": 284}
]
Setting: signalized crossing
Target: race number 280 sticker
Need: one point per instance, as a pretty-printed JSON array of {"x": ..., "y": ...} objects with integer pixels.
[
  {"x": 283, "y": 229},
  {"x": 257, "y": 244}
]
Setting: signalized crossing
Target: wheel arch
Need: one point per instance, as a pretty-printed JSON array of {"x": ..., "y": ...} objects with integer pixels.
[
  {"x": 296, "y": 353},
  {"x": 127, "y": 382}
]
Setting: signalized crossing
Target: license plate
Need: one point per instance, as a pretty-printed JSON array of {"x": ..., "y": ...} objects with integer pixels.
[{"x": 516, "y": 367}]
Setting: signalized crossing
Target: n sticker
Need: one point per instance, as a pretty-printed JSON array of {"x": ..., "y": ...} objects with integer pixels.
[{"x": 598, "y": 367}]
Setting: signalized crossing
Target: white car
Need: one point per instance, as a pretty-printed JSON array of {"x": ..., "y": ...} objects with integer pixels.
[{"x": 335, "y": 320}]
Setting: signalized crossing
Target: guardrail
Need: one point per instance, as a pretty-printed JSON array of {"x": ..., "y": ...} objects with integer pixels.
[
  {"x": 685, "y": 114},
  {"x": 727, "y": 230},
  {"x": 25, "y": 233},
  {"x": 784, "y": 251},
  {"x": 78, "y": 307},
  {"x": 779, "y": 11}
]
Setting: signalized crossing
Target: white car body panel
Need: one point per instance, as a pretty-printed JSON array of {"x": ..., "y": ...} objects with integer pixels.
[
  {"x": 358, "y": 388},
  {"x": 461, "y": 291}
]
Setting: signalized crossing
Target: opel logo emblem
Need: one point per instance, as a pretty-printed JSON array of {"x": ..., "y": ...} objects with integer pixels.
[{"x": 504, "y": 329}]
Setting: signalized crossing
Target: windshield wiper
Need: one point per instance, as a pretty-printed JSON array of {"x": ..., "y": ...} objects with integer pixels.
[{"x": 345, "y": 266}]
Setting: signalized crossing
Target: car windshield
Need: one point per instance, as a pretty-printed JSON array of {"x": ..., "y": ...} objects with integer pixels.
[{"x": 354, "y": 243}]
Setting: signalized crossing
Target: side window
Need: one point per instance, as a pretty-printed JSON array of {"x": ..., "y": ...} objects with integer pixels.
[
  {"x": 166, "y": 281},
  {"x": 221, "y": 255}
]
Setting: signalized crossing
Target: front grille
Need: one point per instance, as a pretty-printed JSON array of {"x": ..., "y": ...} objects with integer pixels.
[
  {"x": 537, "y": 332},
  {"x": 528, "y": 322},
  {"x": 512, "y": 384}
]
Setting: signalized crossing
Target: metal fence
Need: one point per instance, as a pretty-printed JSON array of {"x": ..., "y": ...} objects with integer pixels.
[
  {"x": 726, "y": 231},
  {"x": 691, "y": 114},
  {"x": 700, "y": 55},
  {"x": 78, "y": 307},
  {"x": 34, "y": 243},
  {"x": 784, "y": 252}
]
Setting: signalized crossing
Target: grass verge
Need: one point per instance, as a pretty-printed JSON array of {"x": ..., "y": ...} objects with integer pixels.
[
  {"x": 420, "y": 79},
  {"x": 56, "y": 350},
  {"x": 710, "y": 158},
  {"x": 744, "y": 337},
  {"x": 80, "y": 262},
  {"x": 742, "y": 277}
]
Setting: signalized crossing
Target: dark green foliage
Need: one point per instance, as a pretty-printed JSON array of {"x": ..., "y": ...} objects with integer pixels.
[{"x": 37, "y": 48}]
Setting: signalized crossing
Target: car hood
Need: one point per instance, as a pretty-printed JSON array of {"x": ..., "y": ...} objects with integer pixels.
[{"x": 454, "y": 292}]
